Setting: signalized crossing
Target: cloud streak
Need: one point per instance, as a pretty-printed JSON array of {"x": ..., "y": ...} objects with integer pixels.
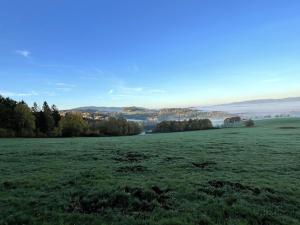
[
  {"x": 60, "y": 84},
  {"x": 17, "y": 94},
  {"x": 23, "y": 53},
  {"x": 272, "y": 80},
  {"x": 130, "y": 91}
]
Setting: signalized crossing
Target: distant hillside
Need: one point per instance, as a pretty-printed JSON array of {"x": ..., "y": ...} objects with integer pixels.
[
  {"x": 260, "y": 108},
  {"x": 260, "y": 101},
  {"x": 93, "y": 109},
  {"x": 253, "y": 109},
  {"x": 152, "y": 116}
]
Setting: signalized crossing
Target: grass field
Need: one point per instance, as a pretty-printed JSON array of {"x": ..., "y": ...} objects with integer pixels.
[{"x": 223, "y": 176}]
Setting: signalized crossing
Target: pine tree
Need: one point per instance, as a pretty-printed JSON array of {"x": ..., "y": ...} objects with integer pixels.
[
  {"x": 47, "y": 121},
  {"x": 56, "y": 116}
]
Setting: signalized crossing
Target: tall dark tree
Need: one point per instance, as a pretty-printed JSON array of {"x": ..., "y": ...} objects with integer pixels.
[
  {"x": 47, "y": 121},
  {"x": 7, "y": 117},
  {"x": 36, "y": 111},
  {"x": 56, "y": 116},
  {"x": 7, "y": 107},
  {"x": 35, "y": 108}
]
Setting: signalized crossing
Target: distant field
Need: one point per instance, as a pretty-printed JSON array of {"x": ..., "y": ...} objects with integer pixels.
[{"x": 223, "y": 176}]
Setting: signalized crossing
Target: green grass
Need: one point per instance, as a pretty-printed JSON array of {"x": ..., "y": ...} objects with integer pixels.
[{"x": 244, "y": 176}]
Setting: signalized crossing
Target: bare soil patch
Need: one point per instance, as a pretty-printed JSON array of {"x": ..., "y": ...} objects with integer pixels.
[
  {"x": 288, "y": 128},
  {"x": 218, "y": 188},
  {"x": 127, "y": 200},
  {"x": 8, "y": 185},
  {"x": 204, "y": 165},
  {"x": 131, "y": 169},
  {"x": 131, "y": 157},
  {"x": 172, "y": 158}
]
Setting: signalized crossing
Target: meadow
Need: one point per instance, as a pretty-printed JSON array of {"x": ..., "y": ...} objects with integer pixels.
[{"x": 220, "y": 176}]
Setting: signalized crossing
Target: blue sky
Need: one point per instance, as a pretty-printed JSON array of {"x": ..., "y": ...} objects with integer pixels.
[{"x": 151, "y": 53}]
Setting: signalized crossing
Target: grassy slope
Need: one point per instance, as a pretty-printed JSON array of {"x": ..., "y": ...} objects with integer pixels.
[{"x": 256, "y": 178}]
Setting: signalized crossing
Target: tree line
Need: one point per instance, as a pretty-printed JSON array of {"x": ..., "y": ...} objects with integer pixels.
[
  {"x": 187, "y": 125},
  {"x": 237, "y": 121},
  {"x": 17, "y": 119},
  {"x": 113, "y": 127}
]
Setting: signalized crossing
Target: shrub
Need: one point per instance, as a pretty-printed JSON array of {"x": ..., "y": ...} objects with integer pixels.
[
  {"x": 249, "y": 123},
  {"x": 234, "y": 121},
  {"x": 72, "y": 125}
]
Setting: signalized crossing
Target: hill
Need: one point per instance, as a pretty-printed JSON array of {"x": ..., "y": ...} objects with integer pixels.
[
  {"x": 93, "y": 109},
  {"x": 260, "y": 108}
]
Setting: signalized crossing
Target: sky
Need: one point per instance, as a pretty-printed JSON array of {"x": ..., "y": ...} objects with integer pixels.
[{"x": 150, "y": 53}]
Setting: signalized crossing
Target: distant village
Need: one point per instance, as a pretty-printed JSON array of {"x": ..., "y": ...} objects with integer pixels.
[{"x": 151, "y": 117}]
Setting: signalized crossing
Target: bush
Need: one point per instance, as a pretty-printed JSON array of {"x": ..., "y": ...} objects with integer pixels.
[
  {"x": 73, "y": 125},
  {"x": 249, "y": 123},
  {"x": 234, "y": 121}
]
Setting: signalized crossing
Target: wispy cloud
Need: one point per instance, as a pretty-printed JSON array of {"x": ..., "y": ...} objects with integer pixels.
[
  {"x": 60, "y": 84},
  {"x": 24, "y": 53},
  {"x": 122, "y": 90},
  {"x": 49, "y": 93},
  {"x": 59, "y": 66},
  {"x": 134, "y": 68},
  {"x": 97, "y": 74},
  {"x": 17, "y": 94},
  {"x": 98, "y": 70},
  {"x": 131, "y": 90},
  {"x": 157, "y": 91},
  {"x": 64, "y": 89},
  {"x": 272, "y": 80}
]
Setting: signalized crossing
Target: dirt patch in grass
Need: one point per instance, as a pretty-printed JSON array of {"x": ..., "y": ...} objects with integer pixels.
[
  {"x": 159, "y": 190},
  {"x": 233, "y": 133},
  {"x": 15, "y": 184},
  {"x": 288, "y": 128},
  {"x": 155, "y": 195},
  {"x": 127, "y": 200},
  {"x": 204, "y": 165},
  {"x": 234, "y": 186},
  {"x": 131, "y": 169},
  {"x": 131, "y": 157},
  {"x": 226, "y": 189},
  {"x": 172, "y": 158},
  {"x": 218, "y": 188},
  {"x": 8, "y": 185}
]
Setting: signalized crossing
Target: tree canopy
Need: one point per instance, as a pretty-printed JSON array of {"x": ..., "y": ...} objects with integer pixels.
[
  {"x": 17, "y": 119},
  {"x": 187, "y": 125}
]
